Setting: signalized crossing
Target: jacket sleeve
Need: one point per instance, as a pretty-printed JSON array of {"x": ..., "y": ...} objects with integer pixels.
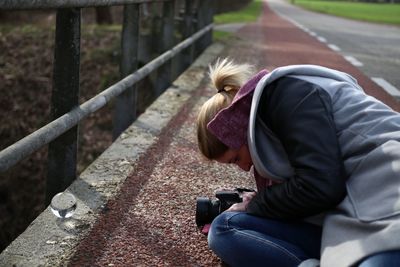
[{"x": 300, "y": 115}]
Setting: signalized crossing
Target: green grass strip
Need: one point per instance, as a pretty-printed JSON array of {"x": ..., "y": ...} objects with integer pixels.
[
  {"x": 220, "y": 35},
  {"x": 248, "y": 14},
  {"x": 371, "y": 12}
]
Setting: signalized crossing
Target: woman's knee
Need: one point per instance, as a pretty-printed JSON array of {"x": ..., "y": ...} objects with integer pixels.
[
  {"x": 219, "y": 230},
  {"x": 216, "y": 227}
]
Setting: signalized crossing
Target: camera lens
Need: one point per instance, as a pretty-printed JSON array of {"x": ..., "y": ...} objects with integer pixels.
[{"x": 206, "y": 210}]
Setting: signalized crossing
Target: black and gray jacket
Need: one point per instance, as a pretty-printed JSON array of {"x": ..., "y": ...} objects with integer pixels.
[{"x": 335, "y": 149}]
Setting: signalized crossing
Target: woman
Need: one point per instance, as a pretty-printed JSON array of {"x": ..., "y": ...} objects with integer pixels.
[{"x": 326, "y": 159}]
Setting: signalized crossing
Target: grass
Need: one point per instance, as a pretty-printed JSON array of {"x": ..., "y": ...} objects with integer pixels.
[
  {"x": 372, "y": 12},
  {"x": 220, "y": 35},
  {"x": 248, "y": 14}
]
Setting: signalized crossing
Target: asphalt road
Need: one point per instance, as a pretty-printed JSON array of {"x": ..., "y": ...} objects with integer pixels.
[{"x": 373, "y": 48}]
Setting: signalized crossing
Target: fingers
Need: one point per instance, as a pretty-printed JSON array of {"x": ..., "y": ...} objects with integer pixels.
[
  {"x": 238, "y": 207},
  {"x": 242, "y": 206},
  {"x": 247, "y": 196}
]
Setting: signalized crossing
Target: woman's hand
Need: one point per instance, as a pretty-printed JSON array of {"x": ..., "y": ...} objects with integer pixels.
[{"x": 242, "y": 206}]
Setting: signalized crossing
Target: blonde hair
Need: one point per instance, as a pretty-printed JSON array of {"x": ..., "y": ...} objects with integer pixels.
[{"x": 227, "y": 77}]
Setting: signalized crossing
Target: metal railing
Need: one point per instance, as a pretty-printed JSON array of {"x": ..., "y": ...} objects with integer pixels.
[{"x": 62, "y": 133}]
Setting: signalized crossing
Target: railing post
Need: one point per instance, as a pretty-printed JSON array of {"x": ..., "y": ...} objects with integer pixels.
[
  {"x": 187, "y": 57},
  {"x": 209, "y": 18},
  {"x": 125, "y": 104},
  {"x": 200, "y": 23},
  {"x": 204, "y": 17},
  {"x": 62, "y": 153},
  {"x": 164, "y": 73}
]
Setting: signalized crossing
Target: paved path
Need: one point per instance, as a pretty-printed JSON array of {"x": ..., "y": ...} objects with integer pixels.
[
  {"x": 151, "y": 223},
  {"x": 373, "y": 48}
]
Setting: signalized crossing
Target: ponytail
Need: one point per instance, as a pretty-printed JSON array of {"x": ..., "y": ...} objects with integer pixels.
[
  {"x": 225, "y": 75},
  {"x": 227, "y": 78}
]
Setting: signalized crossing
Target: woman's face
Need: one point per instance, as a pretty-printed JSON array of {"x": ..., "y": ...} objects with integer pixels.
[{"x": 240, "y": 157}]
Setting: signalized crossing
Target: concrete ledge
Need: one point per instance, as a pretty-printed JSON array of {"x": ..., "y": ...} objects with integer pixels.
[{"x": 50, "y": 241}]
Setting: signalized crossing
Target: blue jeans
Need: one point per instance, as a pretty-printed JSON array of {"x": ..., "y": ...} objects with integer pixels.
[{"x": 240, "y": 239}]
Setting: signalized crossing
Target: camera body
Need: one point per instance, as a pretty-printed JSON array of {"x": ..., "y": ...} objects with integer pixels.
[{"x": 207, "y": 209}]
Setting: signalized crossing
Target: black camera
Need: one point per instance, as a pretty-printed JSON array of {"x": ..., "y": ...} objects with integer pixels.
[{"x": 207, "y": 209}]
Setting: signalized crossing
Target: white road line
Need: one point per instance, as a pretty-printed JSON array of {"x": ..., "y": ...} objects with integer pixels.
[
  {"x": 354, "y": 61},
  {"x": 334, "y": 47},
  {"x": 312, "y": 33},
  {"x": 297, "y": 24},
  {"x": 292, "y": 21},
  {"x": 390, "y": 89},
  {"x": 303, "y": 28},
  {"x": 321, "y": 39}
]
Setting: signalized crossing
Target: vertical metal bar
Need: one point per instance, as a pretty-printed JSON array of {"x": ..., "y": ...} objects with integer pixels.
[
  {"x": 164, "y": 73},
  {"x": 125, "y": 104},
  {"x": 209, "y": 17},
  {"x": 201, "y": 22},
  {"x": 62, "y": 153},
  {"x": 187, "y": 57},
  {"x": 205, "y": 8},
  {"x": 177, "y": 60}
]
